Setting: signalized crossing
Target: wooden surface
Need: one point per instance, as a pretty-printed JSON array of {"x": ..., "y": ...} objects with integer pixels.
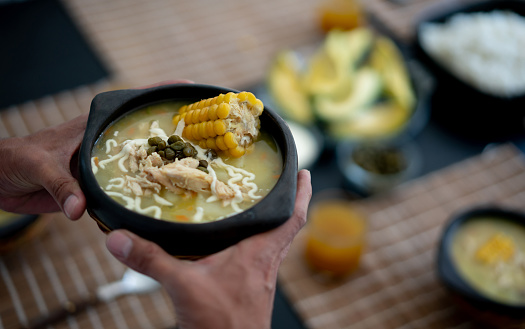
[{"x": 396, "y": 285}]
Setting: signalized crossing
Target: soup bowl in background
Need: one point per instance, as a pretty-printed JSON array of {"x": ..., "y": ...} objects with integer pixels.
[
  {"x": 482, "y": 308},
  {"x": 185, "y": 240}
]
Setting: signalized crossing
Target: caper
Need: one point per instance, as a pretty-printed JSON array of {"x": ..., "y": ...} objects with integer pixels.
[
  {"x": 174, "y": 138},
  {"x": 151, "y": 150},
  {"x": 154, "y": 141},
  {"x": 180, "y": 155},
  {"x": 203, "y": 169},
  {"x": 170, "y": 154},
  {"x": 203, "y": 163},
  {"x": 161, "y": 145},
  {"x": 162, "y": 154},
  {"x": 177, "y": 146},
  {"x": 188, "y": 151}
]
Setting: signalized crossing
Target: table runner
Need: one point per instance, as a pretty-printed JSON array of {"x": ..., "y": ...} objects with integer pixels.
[{"x": 396, "y": 285}]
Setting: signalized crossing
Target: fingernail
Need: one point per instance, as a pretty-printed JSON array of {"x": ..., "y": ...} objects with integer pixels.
[
  {"x": 70, "y": 205},
  {"x": 119, "y": 244}
]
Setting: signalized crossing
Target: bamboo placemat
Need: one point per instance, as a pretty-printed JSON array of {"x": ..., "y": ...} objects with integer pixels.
[
  {"x": 396, "y": 286},
  {"x": 65, "y": 261}
]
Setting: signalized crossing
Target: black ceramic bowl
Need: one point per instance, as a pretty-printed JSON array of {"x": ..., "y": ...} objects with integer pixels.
[
  {"x": 184, "y": 239},
  {"x": 482, "y": 308},
  {"x": 459, "y": 106}
]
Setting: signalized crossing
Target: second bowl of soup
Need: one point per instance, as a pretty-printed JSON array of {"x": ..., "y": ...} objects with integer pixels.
[{"x": 194, "y": 168}]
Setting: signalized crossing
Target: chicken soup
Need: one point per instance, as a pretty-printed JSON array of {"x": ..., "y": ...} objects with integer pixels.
[
  {"x": 490, "y": 254},
  {"x": 196, "y": 162}
]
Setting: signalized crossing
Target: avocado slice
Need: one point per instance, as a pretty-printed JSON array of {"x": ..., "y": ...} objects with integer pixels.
[
  {"x": 379, "y": 120},
  {"x": 366, "y": 91},
  {"x": 285, "y": 87},
  {"x": 389, "y": 63}
]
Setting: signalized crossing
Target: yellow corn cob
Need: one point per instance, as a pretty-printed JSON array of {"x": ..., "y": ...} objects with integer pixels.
[
  {"x": 498, "y": 248},
  {"x": 228, "y": 122}
]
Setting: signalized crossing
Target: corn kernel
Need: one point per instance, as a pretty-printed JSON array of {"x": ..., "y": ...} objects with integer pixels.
[
  {"x": 209, "y": 129},
  {"x": 196, "y": 132},
  {"x": 229, "y": 96},
  {"x": 208, "y": 102},
  {"x": 183, "y": 109},
  {"x": 212, "y": 112},
  {"x": 229, "y": 140},
  {"x": 237, "y": 152},
  {"x": 220, "y": 99},
  {"x": 187, "y": 132},
  {"x": 223, "y": 110},
  {"x": 201, "y": 104},
  {"x": 242, "y": 96},
  {"x": 219, "y": 126},
  {"x": 195, "y": 117},
  {"x": 220, "y": 143},
  {"x": 202, "y": 144},
  {"x": 204, "y": 114},
  {"x": 203, "y": 132},
  {"x": 252, "y": 99},
  {"x": 210, "y": 143},
  {"x": 188, "y": 118},
  {"x": 176, "y": 120}
]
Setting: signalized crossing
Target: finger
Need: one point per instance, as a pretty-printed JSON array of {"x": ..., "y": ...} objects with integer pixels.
[
  {"x": 141, "y": 255},
  {"x": 65, "y": 190}
]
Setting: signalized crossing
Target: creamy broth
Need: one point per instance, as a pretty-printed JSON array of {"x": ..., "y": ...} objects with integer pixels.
[
  {"x": 258, "y": 170},
  {"x": 490, "y": 254}
]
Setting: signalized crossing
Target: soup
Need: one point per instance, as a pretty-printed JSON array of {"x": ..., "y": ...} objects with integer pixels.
[
  {"x": 153, "y": 162},
  {"x": 490, "y": 255}
]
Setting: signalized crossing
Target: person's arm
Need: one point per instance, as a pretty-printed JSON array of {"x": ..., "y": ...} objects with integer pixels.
[{"x": 231, "y": 289}]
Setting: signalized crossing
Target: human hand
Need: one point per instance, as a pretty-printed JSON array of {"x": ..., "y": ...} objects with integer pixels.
[
  {"x": 36, "y": 171},
  {"x": 231, "y": 289}
]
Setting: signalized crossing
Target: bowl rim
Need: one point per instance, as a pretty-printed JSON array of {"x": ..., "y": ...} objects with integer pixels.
[
  {"x": 108, "y": 107},
  {"x": 22, "y": 222},
  {"x": 441, "y": 14},
  {"x": 447, "y": 271}
]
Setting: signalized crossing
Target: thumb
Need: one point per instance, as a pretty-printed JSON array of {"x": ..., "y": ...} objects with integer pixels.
[
  {"x": 141, "y": 255},
  {"x": 66, "y": 192}
]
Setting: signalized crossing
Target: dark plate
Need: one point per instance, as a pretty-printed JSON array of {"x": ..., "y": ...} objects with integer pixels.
[
  {"x": 463, "y": 109},
  {"x": 480, "y": 306},
  {"x": 185, "y": 239}
]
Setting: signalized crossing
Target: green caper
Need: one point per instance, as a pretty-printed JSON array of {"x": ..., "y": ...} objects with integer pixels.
[
  {"x": 174, "y": 138},
  {"x": 170, "y": 154},
  {"x": 203, "y": 169},
  {"x": 177, "y": 146},
  {"x": 151, "y": 150},
  {"x": 162, "y": 154},
  {"x": 188, "y": 151},
  {"x": 154, "y": 141},
  {"x": 161, "y": 145},
  {"x": 203, "y": 163}
]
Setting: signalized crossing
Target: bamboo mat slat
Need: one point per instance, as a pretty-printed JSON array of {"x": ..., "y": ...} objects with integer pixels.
[{"x": 396, "y": 286}]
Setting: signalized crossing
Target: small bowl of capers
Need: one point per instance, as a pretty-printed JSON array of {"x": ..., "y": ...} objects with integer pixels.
[{"x": 377, "y": 166}]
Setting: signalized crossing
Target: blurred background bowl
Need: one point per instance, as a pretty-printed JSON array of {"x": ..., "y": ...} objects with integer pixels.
[
  {"x": 462, "y": 108},
  {"x": 15, "y": 228},
  {"x": 375, "y": 167},
  {"x": 483, "y": 309},
  {"x": 178, "y": 238}
]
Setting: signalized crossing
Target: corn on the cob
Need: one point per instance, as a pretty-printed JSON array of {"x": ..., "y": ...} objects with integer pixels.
[
  {"x": 228, "y": 122},
  {"x": 499, "y": 248}
]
